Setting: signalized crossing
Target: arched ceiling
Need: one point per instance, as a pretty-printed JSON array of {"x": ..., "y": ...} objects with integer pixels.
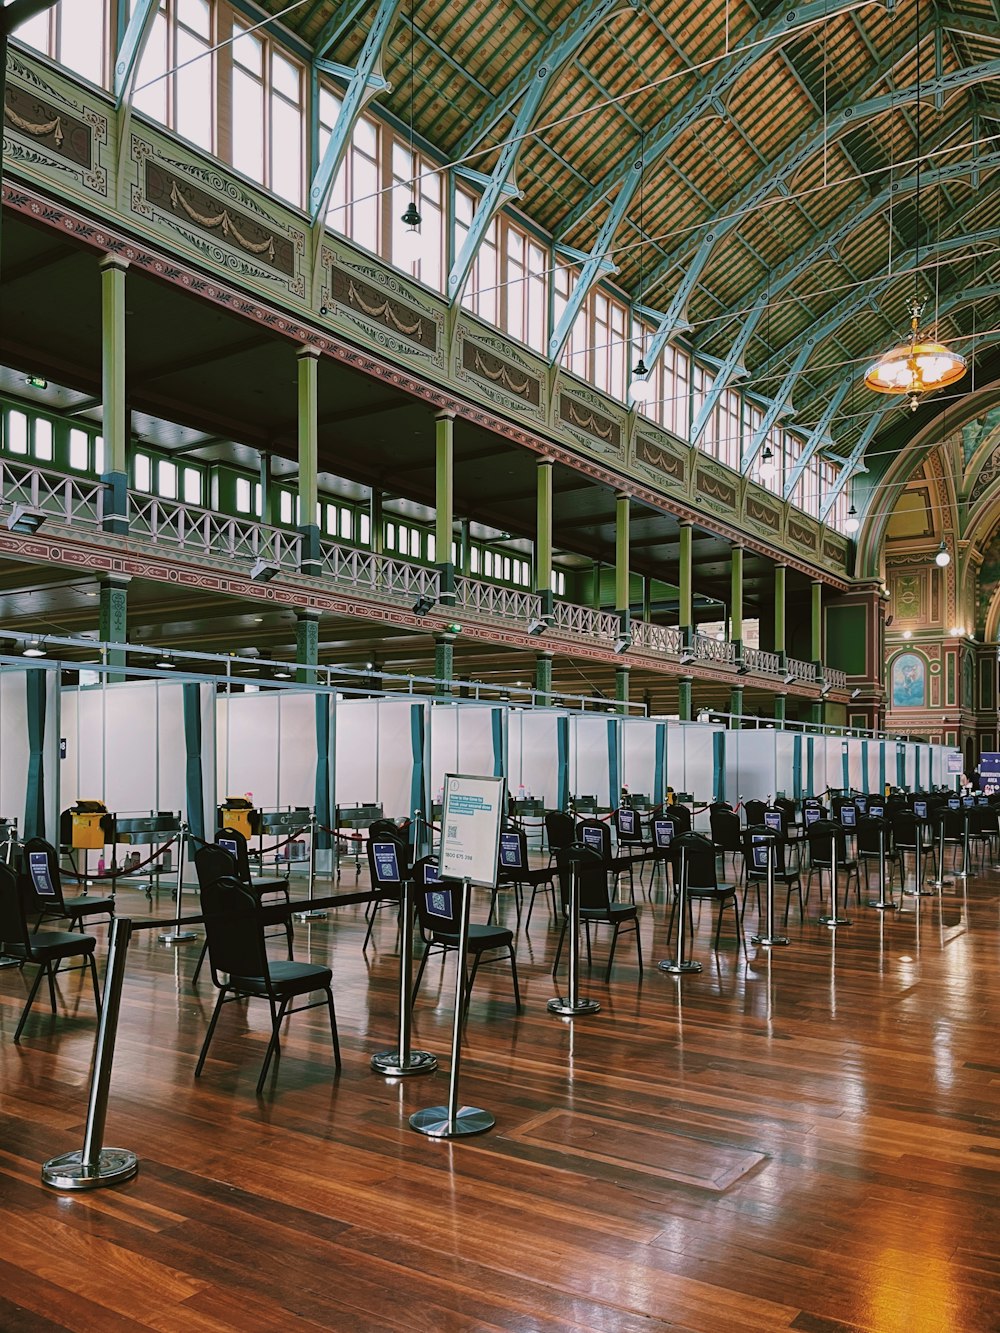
[{"x": 778, "y": 150}]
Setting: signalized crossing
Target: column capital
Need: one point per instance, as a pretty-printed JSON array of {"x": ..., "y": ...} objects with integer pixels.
[
  {"x": 445, "y": 414},
  {"x": 544, "y": 460},
  {"x": 308, "y": 613},
  {"x": 307, "y": 351},
  {"x": 622, "y": 495},
  {"x": 113, "y": 263},
  {"x": 114, "y": 580}
]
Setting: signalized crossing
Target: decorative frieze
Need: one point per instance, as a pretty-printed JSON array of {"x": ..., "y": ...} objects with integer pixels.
[{"x": 43, "y": 127}]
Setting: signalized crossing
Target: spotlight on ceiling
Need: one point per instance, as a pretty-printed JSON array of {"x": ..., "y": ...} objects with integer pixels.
[
  {"x": 282, "y": 673},
  {"x": 943, "y": 557},
  {"x": 537, "y": 626},
  {"x": 789, "y": 677},
  {"x": 263, "y": 571},
  {"x": 422, "y": 605},
  {"x": 33, "y": 648},
  {"x": 742, "y": 669},
  {"x": 23, "y": 519},
  {"x": 851, "y": 523},
  {"x": 165, "y": 662},
  {"x": 687, "y": 659},
  {"x": 855, "y": 692},
  {"x": 622, "y": 643}
]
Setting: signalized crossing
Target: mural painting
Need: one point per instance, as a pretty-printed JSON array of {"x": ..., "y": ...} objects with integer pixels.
[{"x": 909, "y": 684}]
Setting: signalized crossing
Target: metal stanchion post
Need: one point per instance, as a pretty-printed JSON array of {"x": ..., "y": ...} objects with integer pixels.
[
  {"x": 833, "y": 919},
  {"x": 453, "y": 1121},
  {"x": 573, "y": 1004},
  {"x": 940, "y": 882},
  {"x": 310, "y": 911},
  {"x": 176, "y": 935},
  {"x": 965, "y": 872},
  {"x": 770, "y": 938},
  {"x": 403, "y": 1060},
  {"x": 681, "y": 963},
  {"x": 96, "y": 1165},
  {"x": 882, "y": 903}
]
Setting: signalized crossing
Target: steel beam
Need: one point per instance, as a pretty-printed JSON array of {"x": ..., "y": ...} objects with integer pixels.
[{"x": 140, "y": 25}]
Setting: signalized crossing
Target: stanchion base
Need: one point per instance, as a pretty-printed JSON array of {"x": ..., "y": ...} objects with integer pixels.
[
  {"x": 568, "y": 1009},
  {"x": 313, "y": 912},
  {"x": 880, "y": 906},
  {"x": 964, "y": 874},
  {"x": 388, "y": 1063},
  {"x": 435, "y": 1122},
  {"x": 69, "y": 1172},
  {"x": 11, "y": 962},
  {"x": 935, "y": 886},
  {"x": 768, "y": 940},
  {"x": 833, "y": 921},
  {"x": 670, "y": 965},
  {"x": 177, "y": 936}
]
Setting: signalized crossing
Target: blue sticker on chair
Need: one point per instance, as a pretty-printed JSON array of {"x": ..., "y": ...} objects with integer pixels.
[
  {"x": 663, "y": 832},
  {"x": 759, "y": 851},
  {"x": 954, "y": 803},
  {"x": 876, "y": 811},
  {"x": 438, "y": 903},
  {"x": 811, "y": 815},
  {"x": 626, "y": 821},
  {"x": 848, "y": 816},
  {"x": 431, "y": 875},
  {"x": 594, "y": 837},
  {"x": 772, "y": 820},
  {"x": 386, "y": 862},
  {"x": 510, "y": 851},
  {"x": 229, "y": 844},
  {"x": 862, "y": 803},
  {"x": 920, "y": 809},
  {"x": 38, "y": 865}
]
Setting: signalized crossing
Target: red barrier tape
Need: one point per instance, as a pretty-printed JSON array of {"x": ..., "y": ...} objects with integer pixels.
[{"x": 117, "y": 874}]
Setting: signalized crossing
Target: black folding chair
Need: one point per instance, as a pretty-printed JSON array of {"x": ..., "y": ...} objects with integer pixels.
[
  {"x": 389, "y": 868},
  {"x": 703, "y": 884},
  {"x": 596, "y": 907},
  {"x": 41, "y": 867}
]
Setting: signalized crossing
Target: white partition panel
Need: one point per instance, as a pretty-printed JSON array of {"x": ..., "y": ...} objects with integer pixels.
[
  {"x": 699, "y": 761},
  {"x": 589, "y": 760},
  {"x": 297, "y": 749},
  {"x": 533, "y": 754},
  {"x": 395, "y": 756},
  {"x": 357, "y": 752},
  {"x": 14, "y": 748},
  {"x": 639, "y": 756},
  {"x": 444, "y": 746},
  {"x": 751, "y": 766},
  {"x": 248, "y": 759},
  {"x": 475, "y": 740}
]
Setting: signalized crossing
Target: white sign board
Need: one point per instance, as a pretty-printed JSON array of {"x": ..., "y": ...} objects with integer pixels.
[{"x": 470, "y": 828}]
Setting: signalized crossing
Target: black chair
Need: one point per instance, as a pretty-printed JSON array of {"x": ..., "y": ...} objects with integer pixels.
[
  {"x": 912, "y": 835},
  {"x": 755, "y": 811},
  {"x": 875, "y": 841},
  {"x": 596, "y": 907},
  {"x": 560, "y": 831},
  {"x": 212, "y": 862},
  {"x": 234, "y": 924},
  {"x": 261, "y": 887},
  {"x": 439, "y": 911},
  {"x": 515, "y": 871},
  {"x": 826, "y": 837},
  {"x": 45, "y": 948},
  {"x": 757, "y": 874},
  {"x": 727, "y": 833},
  {"x": 702, "y": 884},
  {"x": 984, "y": 832},
  {"x": 41, "y": 867},
  {"x": 681, "y": 817},
  {"x": 388, "y": 866}
]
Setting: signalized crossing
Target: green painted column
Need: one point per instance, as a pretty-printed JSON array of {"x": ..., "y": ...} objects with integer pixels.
[
  {"x": 736, "y": 599},
  {"x": 306, "y": 646},
  {"x": 816, "y": 713},
  {"x": 114, "y": 409},
  {"x": 817, "y": 625},
  {"x": 377, "y": 528},
  {"x": 113, "y": 616},
  {"x": 465, "y": 548},
  {"x": 735, "y": 706},
  {"x": 780, "y": 580},
  {"x": 543, "y": 677},
  {"x": 684, "y": 583},
  {"x": 444, "y": 663},
  {"x": 622, "y": 514},
  {"x": 684, "y": 700},
  {"x": 267, "y": 493},
  {"x": 308, "y": 359},
  {"x": 595, "y": 586},
  {"x": 622, "y": 688},
  {"x": 543, "y": 534},
  {"x": 780, "y": 700},
  {"x": 444, "y": 503}
]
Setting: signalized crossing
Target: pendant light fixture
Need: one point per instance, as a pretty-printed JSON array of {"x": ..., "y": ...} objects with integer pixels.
[
  {"x": 640, "y": 389},
  {"x": 851, "y": 523},
  {"x": 943, "y": 557},
  {"x": 766, "y": 469},
  {"x": 922, "y": 364},
  {"x": 411, "y": 241}
]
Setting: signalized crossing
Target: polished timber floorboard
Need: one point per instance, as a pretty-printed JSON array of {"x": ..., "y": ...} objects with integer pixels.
[{"x": 807, "y": 1141}]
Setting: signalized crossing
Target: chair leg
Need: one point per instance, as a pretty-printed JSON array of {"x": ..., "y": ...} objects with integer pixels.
[
  {"x": 50, "y": 973},
  {"x": 718, "y": 926},
  {"x": 513, "y": 974},
  {"x": 201, "y": 959},
  {"x": 31, "y": 1000},
  {"x": 420, "y": 974},
  {"x": 291, "y": 939},
  {"x": 469, "y": 982},
  {"x": 371, "y": 925},
  {"x": 586, "y": 931},
  {"x": 93, "y": 977},
  {"x": 611, "y": 952},
  {"x": 211, "y": 1029},
  {"x": 274, "y": 1045},
  {"x": 638, "y": 946},
  {"x": 333, "y": 1029}
]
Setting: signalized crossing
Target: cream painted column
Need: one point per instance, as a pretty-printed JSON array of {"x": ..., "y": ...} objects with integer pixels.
[
  {"x": 308, "y": 359},
  {"x": 114, "y": 408},
  {"x": 444, "y": 504}
]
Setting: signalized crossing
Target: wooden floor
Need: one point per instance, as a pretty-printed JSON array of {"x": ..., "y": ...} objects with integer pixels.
[{"x": 807, "y": 1140}]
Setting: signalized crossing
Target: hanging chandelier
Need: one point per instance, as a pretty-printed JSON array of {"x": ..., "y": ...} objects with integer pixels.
[{"x": 915, "y": 367}]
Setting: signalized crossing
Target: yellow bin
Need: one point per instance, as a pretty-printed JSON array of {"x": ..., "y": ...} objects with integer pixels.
[{"x": 87, "y": 825}]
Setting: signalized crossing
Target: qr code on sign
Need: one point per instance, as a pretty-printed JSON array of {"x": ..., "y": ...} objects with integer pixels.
[{"x": 452, "y": 830}]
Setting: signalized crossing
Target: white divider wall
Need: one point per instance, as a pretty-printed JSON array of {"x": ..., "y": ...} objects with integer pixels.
[
  {"x": 266, "y": 746},
  {"x": 639, "y": 756},
  {"x": 752, "y": 766},
  {"x": 461, "y": 742},
  {"x": 395, "y": 756},
  {"x": 589, "y": 767},
  {"x": 357, "y": 752},
  {"x": 698, "y": 765},
  {"x": 533, "y": 754},
  {"x": 14, "y": 748}
]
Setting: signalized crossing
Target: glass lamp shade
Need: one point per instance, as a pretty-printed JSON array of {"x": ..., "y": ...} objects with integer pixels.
[
  {"x": 640, "y": 388},
  {"x": 943, "y": 558},
  {"x": 851, "y": 523},
  {"x": 766, "y": 469},
  {"x": 411, "y": 243},
  {"x": 916, "y": 367}
]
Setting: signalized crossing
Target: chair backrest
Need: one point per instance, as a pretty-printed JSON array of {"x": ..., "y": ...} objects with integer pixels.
[
  {"x": 379, "y": 828},
  {"x": 235, "y": 843},
  {"x": 788, "y": 806},
  {"x": 387, "y": 860},
  {"x": 560, "y": 829},
  {"x": 213, "y": 862},
  {"x": 954, "y": 823},
  {"x": 869, "y": 827},
  {"x": 628, "y": 824},
  {"x": 755, "y": 811},
  {"x": 594, "y": 833},
  {"x": 42, "y": 879},
  {"x": 718, "y": 805},
  {"x": 681, "y": 816},
  {"x": 726, "y": 829},
  {"x": 513, "y": 851},
  {"x": 13, "y": 921},
  {"x": 824, "y": 835},
  {"x": 234, "y": 931},
  {"x": 696, "y": 853},
  {"x": 438, "y": 900},
  {"x": 776, "y": 820},
  {"x": 755, "y": 837},
  {"x": 905, "y": 826},
  {"x": 591, "y": 873}
]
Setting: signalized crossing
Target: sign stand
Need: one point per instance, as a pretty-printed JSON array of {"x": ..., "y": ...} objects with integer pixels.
[
  {"x": 831, "y": 918},
  {"x": 574, "y": 1004},
  {"x": 176, "y": 935},
  {"x": 770, "y": 939},
  {"x": 403, "y": 1060},
  {"x": 681, "y": 963},
  {"x": 940, "y": 882},
  {"x": 308, "y": 911},
  {"x": 882, "y": 903},
  {"x": 965, "y": 873},
  {"x": 453, "y": 1121}
]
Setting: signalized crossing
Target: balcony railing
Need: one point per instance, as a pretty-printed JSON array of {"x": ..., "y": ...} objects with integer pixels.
[
  {"x": 379, "y": 574},
  {"x": 835, "y": 678},
  {"x": 72, "y": 499},
  {"x": 805, "y": 672},
  {"x": 585, "y": 620},
  {"x": 657, "y": 638},
  {"x": 762, "y": 663},
  {"x": 492, "y": 600},
  {"x": 707, "y": 649},
  {"x": 189, "y": 527}
]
